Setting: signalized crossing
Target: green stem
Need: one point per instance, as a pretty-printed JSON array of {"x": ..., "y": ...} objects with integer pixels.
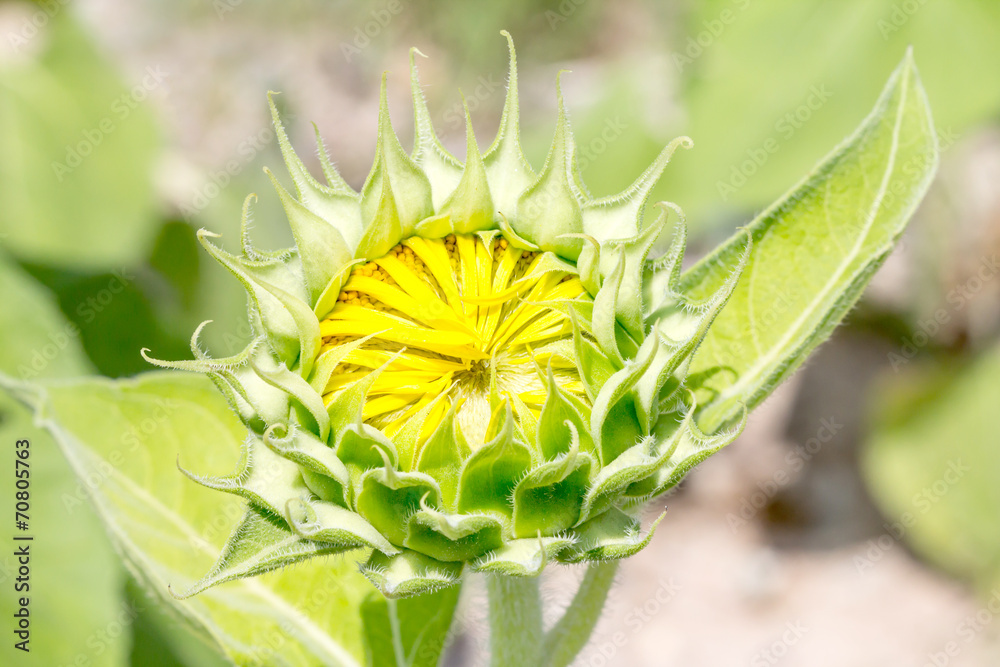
[
  {"x": 515, "y": 621},
  {"x": 516, "y": 635},
  {"x": 572, "y": 632}
]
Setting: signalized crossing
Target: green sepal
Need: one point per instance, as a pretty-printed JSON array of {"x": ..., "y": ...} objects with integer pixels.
[
  {"x": 256, "y": 414},
  {"x": 278, "y": 323},
  {"x": 548, "y": 499},
  {"x": 337, "y": 203},
  {"x": 595, "y": 367},
  {"x": 588, "y": 264},
  {"x": 647, "y": 391},
  {"x": 661, "y": 276},
  {"x": 322, "y": 471},
  {"x": 364, "y": 446},
  {"x": 434, "y": 227},
  {"x": 325, "y": 522},
  {"x": 202, "y": 363},
  {"x": 620, "y": 216},
  {"x": 526, "y": 557},
  {"x": 679, "y": 318},
  {"x": 322, "y": 248},
  {"x": 269, "y": 403},
  {"x": 260, "y": 543},
  {"x": 307, "y": 326},
  {"x": 526, "y": 426},
  {"x": 604, "y": 321},
  {"x": 334, "y": 180},
  {"x": 507, "y": 169},
  {"x": 407, "y": 440},
  {"x": 549, "y": 209},
  {"x": 681, "y": 329},
  {"x": 387, "y": 498},
  {"x": 384, "y": 229},
  {"x": 238, "y": 403},
  {"x": 409, "y": 573},
  {"x": 443, "y": 454},
  {"x": 328, "y": 299},
  {"x": 453, "y": 537},
  {"x": 633, "y": 465},
  {"x": 489, "y": 476},
  {"x": 512, "y": 237},
  {"x": 280, "y": 301},
  {"x": 307, "y": 404},
  {"x": 262, "y": 477},
  {"x": 470, "y": 206},
  {"x": 442, "y": 169},
  {"x": 394, "y": 175},
  {"x": 554, "y": 437},
  {"x": 614, "y": 423},
  {"x": 629, "y": 310},
  {"x": 692, "y": 448},
  {"x": 612, "y": 535}
]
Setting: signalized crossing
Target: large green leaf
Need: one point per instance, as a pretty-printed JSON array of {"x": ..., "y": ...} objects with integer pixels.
[
  {"x": 77, "y": 150},
  {"x": 411, "y": 632},
  {"x": 128, "y": 436},
  {"x": 933, "y": 460},
  {"x": 36, "y": 341},
  {"x": 74, "y": 600},
  {"x": 814, "y": 251}
]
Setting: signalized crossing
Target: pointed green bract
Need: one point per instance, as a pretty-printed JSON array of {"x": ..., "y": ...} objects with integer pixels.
[
  {"x": 410, "y": 574},
  {"x": 469, "y": 208},
  {"x": 549, "y": 209},
  {"x": 396, "y": 177},
  {"x": 508, "y": 171},
  {"x": 260, "y": 543}
]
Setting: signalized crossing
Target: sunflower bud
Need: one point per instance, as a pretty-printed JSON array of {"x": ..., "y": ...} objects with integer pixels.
[{"x": 463, "y": 366}]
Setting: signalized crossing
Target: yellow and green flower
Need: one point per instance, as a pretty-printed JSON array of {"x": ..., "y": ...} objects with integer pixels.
[{"x": 464, "y": 366}]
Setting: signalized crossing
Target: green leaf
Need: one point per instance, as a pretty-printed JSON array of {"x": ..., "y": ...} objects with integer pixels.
[
  {"x": 59, "y": 516},
  {"x": 35, "y": 340},
  {"x": 933, "y": 460},
  {"x": 408, "y": 633},
  {"x": 170, "y": 531},
  {"x": 813, "y": 253},
  {"x": 78, "y": 153}
]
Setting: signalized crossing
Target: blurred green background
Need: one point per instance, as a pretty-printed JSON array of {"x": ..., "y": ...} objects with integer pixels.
[{"x": 125, "y": 127}]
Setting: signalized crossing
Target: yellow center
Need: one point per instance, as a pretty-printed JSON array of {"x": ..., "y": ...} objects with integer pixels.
[{"x": 460, "y": 312}]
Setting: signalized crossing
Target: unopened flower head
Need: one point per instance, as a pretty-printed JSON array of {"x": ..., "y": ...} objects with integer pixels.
[{"x": 462, "y": 366}]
